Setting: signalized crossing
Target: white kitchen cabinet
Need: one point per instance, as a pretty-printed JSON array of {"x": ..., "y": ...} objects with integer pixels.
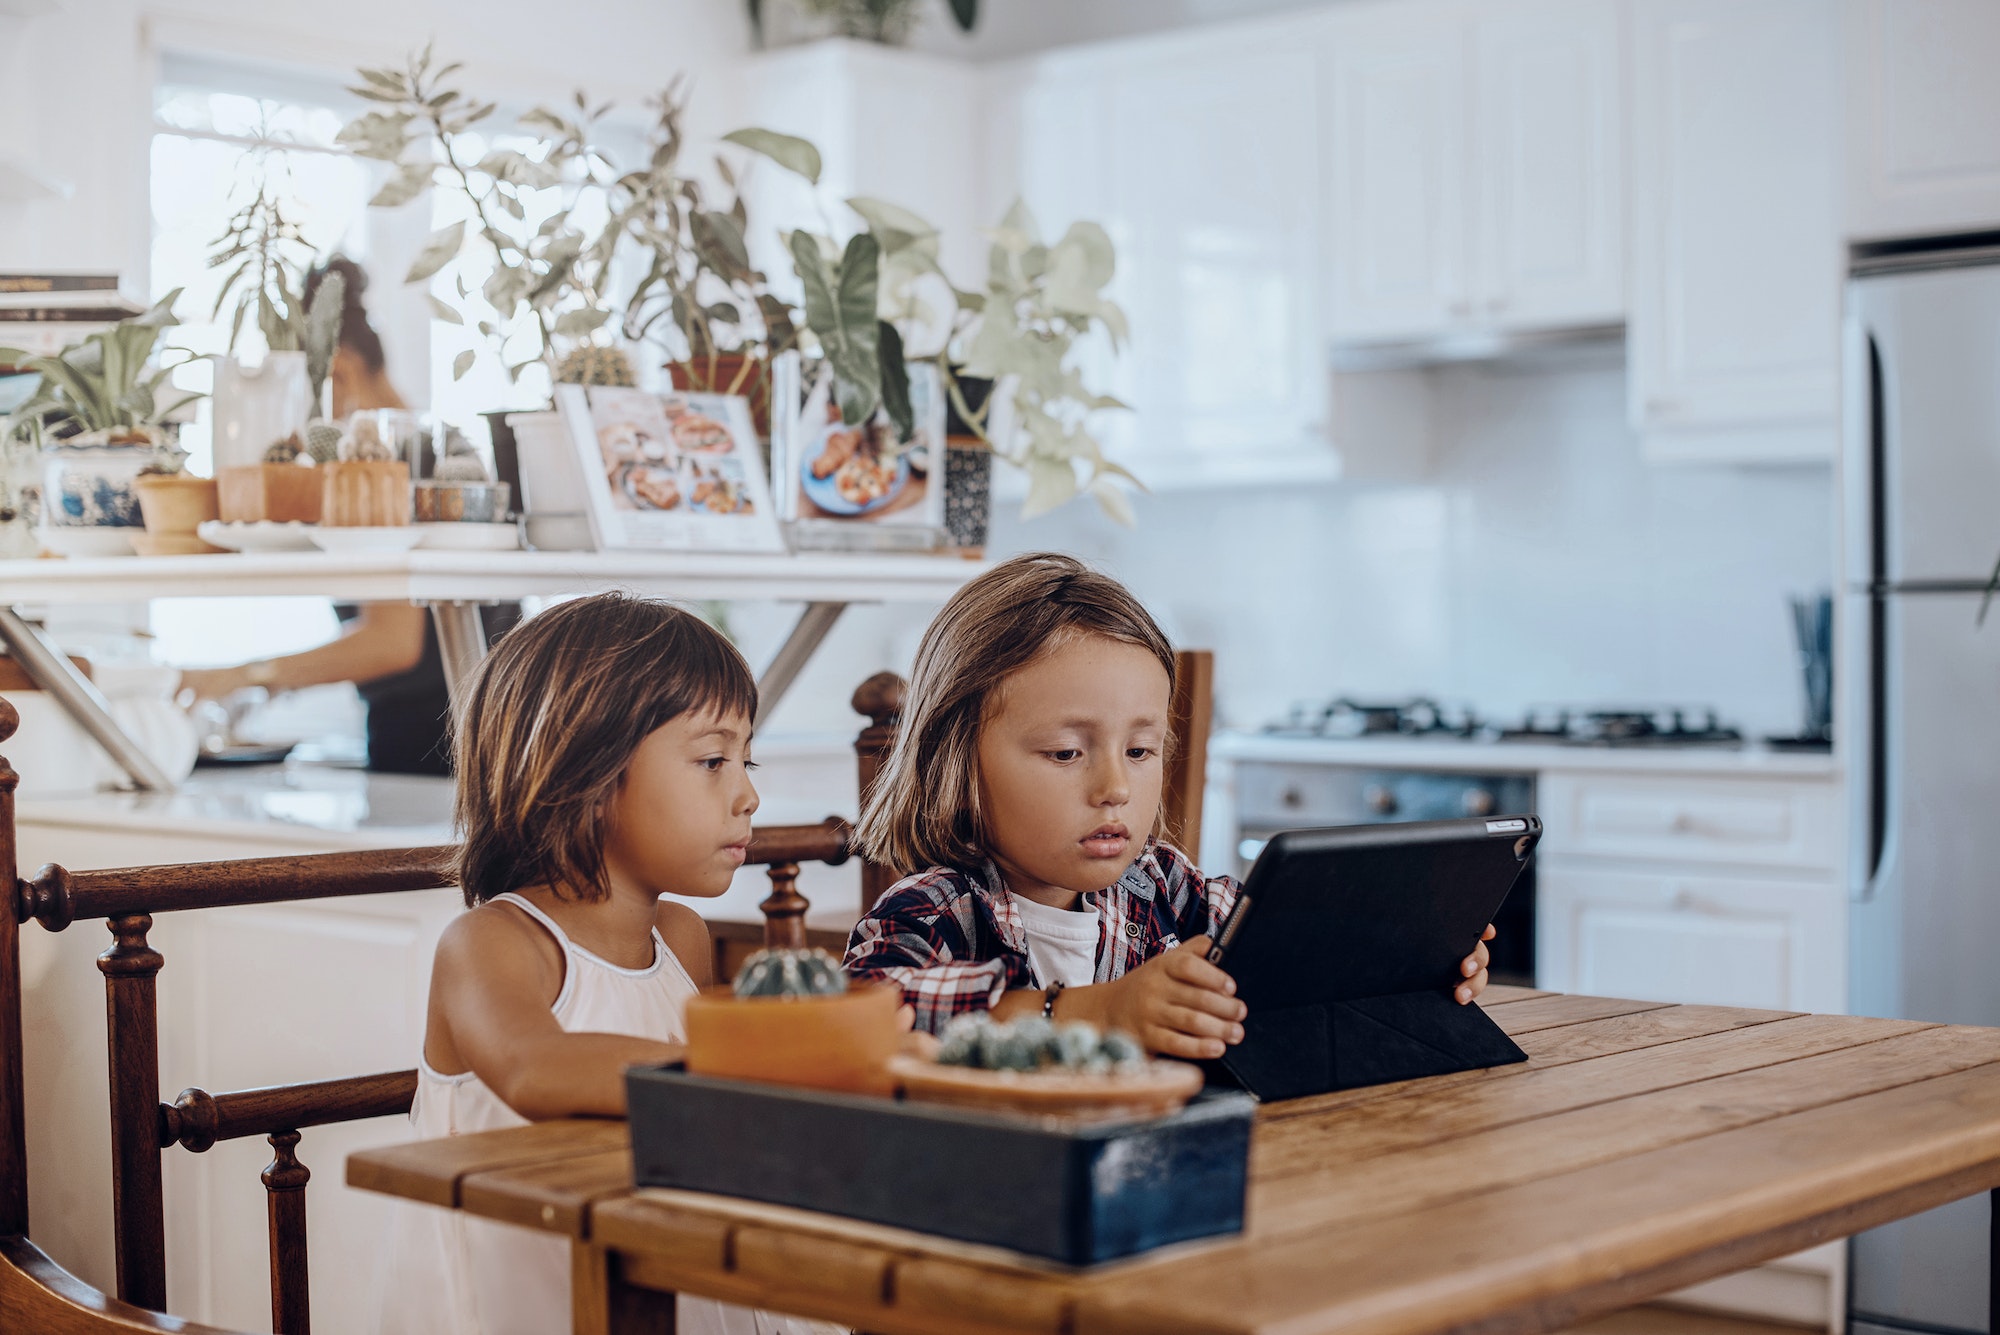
[
  {"x": 1686, "y": 936},
  {"x": 1923, "y": 116},
  {"x": 1549, "y": 154},
  {"x": 1473, "y": 165},
  {"x": 1394, "y": 79},
  {"x": 1198, "y": 153},
  {"x": 1736, "y": 256}
]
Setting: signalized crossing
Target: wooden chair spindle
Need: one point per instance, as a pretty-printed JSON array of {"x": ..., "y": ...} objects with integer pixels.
[
  {"x": 880, "y": 699},
  {"x": 785, "y": 909},
  {"x": 285, "y": 1181},
  {"x": 138, "y": 1205}
]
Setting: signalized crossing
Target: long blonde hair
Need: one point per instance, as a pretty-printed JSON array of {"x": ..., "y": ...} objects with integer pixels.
[
  {"x": 924, "y": 809},
  {"x": 554, "y": 716}
]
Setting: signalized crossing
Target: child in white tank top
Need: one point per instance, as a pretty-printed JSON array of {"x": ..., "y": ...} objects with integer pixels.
[{"x": 603, "y": 763}]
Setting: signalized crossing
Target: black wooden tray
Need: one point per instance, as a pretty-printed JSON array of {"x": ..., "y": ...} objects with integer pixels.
[{"x": 1069, "y": 1193}]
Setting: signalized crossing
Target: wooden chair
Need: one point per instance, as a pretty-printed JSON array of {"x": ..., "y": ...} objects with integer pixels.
[{"x": 37, "y": 1295}]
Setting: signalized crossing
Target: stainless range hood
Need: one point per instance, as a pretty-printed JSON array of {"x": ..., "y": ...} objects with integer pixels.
[{"x": 1582, "y": 345}]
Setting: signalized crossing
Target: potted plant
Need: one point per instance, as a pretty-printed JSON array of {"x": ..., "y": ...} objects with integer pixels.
[
  {"x": 174, "y": 504},
  {"x": 1039, "y": 300},
  {"x": 548, "y": 288},
  {"x": 97, "y": 418},
  {"x": 888, "y": 22},
  {"x": 701, "y": 296}
]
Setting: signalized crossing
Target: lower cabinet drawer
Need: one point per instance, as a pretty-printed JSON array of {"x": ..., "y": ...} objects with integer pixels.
[
  {"x": 1690, "y": 938},
  {"x": 1744, "y": 822}
]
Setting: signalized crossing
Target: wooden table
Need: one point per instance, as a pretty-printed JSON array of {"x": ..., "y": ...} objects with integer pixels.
[{"x": 1640, "y": 1149}]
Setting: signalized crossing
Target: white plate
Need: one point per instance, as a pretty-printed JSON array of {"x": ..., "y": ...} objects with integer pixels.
[
  {"x": 385, "y": 538},
  {"x": 262, "y": 536},
  {"x": 87, "y": 540},
  {"x": 469, "y": 537}
]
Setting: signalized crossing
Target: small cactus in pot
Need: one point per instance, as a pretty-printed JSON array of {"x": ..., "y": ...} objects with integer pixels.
[{"x": 789, "y": 973}]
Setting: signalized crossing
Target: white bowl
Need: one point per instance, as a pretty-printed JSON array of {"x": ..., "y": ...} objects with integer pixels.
[
  {"x": 262, "y": 536},
  {"x": 83, "y": 540},
  {"x": 385, "y": 538},
  {"x": 459, "y": 537}
]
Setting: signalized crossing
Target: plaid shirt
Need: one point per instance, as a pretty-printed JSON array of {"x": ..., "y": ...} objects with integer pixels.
[{"x": 954, "y": 942}]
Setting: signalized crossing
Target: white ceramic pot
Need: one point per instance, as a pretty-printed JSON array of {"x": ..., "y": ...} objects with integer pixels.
[
  {"x": 89, "y": 485},
  {"x": 552, "y": 487},
  {"x": 258, "y": 406}
]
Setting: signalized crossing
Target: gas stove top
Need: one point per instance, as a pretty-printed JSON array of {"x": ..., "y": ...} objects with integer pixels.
[{"x": 1422, "y": 717}]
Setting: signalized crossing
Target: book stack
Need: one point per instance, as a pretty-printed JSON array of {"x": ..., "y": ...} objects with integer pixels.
[{"x": 43, "y": 313}]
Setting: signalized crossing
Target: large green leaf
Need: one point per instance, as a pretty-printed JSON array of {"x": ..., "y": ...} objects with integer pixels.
[
  {"x": 410, "y": 180},
  {"x": 577, "y": 323},
  {"x": 860, "y": 277},
  {"x": 1051, "y": 482},
  {"x": 895, "y": 381},
  {"x": 439, "y": 251},
  {"x": 719, "y": 242},
  {"x": 794, "y": 154},
  {"x": 822, "y": 312},
  {"x": 967, "y": 14}
]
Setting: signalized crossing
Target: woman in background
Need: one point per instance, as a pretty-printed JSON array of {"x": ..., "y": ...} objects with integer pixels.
[{"x": 388, "y": 650}]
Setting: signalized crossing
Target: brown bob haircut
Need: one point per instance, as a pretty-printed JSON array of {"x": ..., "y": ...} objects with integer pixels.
[
  {"x": 555, "y": 714},
  {"x": 924, "y": 809}
]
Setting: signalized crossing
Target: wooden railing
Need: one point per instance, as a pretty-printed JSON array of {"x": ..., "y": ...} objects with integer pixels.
[{"x": 142, "y": 1126}]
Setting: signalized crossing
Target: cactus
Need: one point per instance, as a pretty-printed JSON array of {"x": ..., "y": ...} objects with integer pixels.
[
  {"x": 595, "y": 366},
  {"x": 790, "y": 973},
  {"x": 284, "y": 451},
  {"x": 1033, "y": 1044},
  {"x": 323, "y": 437}
]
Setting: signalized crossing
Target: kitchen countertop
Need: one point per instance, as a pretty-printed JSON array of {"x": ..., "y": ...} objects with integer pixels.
[{"x": 1496, "y": 757}]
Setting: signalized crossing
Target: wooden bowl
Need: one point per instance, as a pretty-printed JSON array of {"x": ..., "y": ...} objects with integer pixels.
[
  {"x": 1156, "y": 1089},
  {"x": 840, "y": 1042}
]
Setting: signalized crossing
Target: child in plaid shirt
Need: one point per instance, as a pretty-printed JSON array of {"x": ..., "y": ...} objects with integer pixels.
[{"x": 1027, "y": 778}]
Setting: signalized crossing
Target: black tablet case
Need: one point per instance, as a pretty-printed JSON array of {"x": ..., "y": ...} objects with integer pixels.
[{"x": 1345, "y": 949}]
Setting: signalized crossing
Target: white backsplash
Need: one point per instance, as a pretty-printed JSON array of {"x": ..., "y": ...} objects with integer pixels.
[{"x": 1542, "y": 562}]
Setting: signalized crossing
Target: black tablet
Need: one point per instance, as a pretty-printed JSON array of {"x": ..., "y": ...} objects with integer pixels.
[{"x": 1345, "y": 946}]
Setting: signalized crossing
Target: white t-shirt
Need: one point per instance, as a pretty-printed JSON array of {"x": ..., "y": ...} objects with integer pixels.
[{"x": 1062, "y": 943}]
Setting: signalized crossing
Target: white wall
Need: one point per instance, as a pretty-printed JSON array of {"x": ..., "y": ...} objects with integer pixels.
[
  {"x": 75, "y": 85},
  {"x": 1543, "y": 563}
]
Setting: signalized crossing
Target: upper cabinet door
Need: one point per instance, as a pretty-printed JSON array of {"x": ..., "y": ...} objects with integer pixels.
[
  {"x": 1395, "y": 80},
  {"x": 1737, "y": 266},
  {"x": 1548, "y": 136},
  {"x": 1212, "y": 151},
  {"x": 1923, "y": 109}
]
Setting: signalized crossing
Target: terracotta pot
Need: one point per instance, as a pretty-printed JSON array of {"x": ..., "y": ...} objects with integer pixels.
[
  {"x": 280, "y": 493},
  {"x": 173, "y": 505},
  {"x": 716, "y": 375},
  {"x": 841, "y": 1042},
  {"x": 365, "y": 493}
]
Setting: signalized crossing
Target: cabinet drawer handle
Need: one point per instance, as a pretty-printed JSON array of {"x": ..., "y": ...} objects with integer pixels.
[
  {"x": 1291, "y": 799},
  {"x": 1682, "y": 823}
]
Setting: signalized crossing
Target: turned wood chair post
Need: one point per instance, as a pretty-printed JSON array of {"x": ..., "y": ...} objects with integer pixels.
[
  {"x": 13, "y": 1081},
  {"x": 137, "y": 1201},
  {"x": 1190, "y": 718},
  {"x": 880, "y": 700},
  {"x": 784, "y": 909},
  {"x": 285, "y": 1181}
]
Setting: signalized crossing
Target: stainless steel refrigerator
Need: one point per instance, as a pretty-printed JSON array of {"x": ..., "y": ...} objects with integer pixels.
[{"x": 1920, "y": 680}]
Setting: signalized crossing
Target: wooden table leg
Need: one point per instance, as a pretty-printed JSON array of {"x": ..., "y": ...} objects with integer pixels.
[{"x": 601, "y": 1303}]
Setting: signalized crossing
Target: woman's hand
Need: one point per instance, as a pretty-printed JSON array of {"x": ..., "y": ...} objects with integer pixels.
[
  {"x": 1473, "y": 966},
  {"x": 1176, "y": 1004},
  {"x": 212, "y": 683}
]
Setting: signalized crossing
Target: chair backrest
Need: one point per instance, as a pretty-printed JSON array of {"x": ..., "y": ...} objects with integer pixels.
[
  {"x": 126, "y": 900},
  {"x": 1191, "y": 718}
]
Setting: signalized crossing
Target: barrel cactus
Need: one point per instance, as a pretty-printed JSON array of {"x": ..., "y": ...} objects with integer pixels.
[
  {"x": 790, "y": 973},
  {"x": 595, "y": 366},
  {"x": 1033, "y": 1044}
]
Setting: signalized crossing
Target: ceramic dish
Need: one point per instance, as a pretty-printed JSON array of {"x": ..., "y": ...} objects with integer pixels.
[
  {"x": 85, "y": 540},
  {"x": 1154, "y": 1090},
  {"x": 365, "y": 538},
  {"x": 467, "y": 537},
  {"x": 261, "y": 535},
  {"x": 860, "y": 484}
]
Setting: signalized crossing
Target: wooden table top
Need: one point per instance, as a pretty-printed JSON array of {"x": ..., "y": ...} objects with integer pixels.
[{"x": 1640, "y": 1148}]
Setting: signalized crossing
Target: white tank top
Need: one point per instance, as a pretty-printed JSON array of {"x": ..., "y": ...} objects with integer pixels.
[{"x": 452, "y": 1274}]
